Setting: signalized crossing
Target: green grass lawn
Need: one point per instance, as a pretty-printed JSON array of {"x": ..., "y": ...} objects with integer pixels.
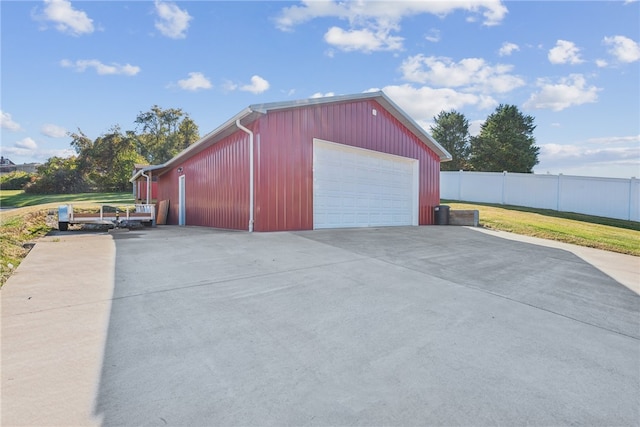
[
  {"x": 596, "y": 232},
  {"x": 19, "y": 199}
]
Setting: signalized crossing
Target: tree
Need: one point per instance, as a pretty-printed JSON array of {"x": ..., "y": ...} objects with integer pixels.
[
  {"x": 112, "y": 158},
  {"x": 106, "y": 163},
  {"x": 505, "y": 142},
  {"x": 81, "y": 143},
  {"x": 451, "y": 130},
  {"x": 58, "y": 176},
  {"x": 188, "y": 133},
  {"x": 164, "y": 133}
]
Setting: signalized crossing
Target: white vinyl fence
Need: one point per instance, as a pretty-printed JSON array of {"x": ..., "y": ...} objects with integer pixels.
[{"x": 606, "y": 197}]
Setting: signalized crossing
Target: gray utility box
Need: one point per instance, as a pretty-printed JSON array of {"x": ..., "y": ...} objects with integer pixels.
[{"x": 441, "y": 215}]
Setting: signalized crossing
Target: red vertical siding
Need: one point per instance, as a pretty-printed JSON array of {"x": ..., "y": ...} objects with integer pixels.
[
  {"x": 284, "y": 184},
  {"x": 168, "y": 190},
  {"x": 141, "y": 190},
  {"x": 216, "y": 185},
  {"x": 217, "y": 188}
]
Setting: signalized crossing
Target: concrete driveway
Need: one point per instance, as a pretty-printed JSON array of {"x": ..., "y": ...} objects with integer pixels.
[{"x": 389, "y": 326}]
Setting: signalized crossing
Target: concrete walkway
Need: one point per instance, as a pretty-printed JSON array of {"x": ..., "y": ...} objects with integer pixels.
[
  {"x": 625, "y": 269},
  {"x": 376, "y": 326},
  {"x": 55, "y": 315}
]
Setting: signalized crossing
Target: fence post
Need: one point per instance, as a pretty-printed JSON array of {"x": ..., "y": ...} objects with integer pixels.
[
  {"x": 558, "y": 193},
  {"x": 460, "y": 184},
  {"x": 630, "y": 197},
  {"x": 504, "y": 184}
]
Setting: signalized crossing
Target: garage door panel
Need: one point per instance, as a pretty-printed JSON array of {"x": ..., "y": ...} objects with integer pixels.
[{"x": 358, "y": 188}]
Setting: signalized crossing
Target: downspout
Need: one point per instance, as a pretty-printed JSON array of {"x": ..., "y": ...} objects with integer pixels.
[
  {"x": 148, "y": 184},
  {"x": 250, "y": 172}
]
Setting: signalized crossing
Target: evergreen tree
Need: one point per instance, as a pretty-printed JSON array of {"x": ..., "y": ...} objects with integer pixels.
[
  {"x": 505, "y": 142},
  {"x": 451, "y": 130}
]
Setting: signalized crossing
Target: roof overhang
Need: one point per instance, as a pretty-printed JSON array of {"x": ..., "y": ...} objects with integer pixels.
[
  {"x": 251, "y": 113},
  {"x": 378, "y": 96},
  {"x": 144, "y": 170},
  {"x": 246, "y": 116}
]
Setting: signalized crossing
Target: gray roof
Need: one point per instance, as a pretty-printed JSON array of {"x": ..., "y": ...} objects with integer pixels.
[{"x": 251, "y": 113}]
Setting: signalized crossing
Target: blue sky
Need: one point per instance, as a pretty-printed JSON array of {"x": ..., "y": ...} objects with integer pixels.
[{"x": 573, "y": 65}]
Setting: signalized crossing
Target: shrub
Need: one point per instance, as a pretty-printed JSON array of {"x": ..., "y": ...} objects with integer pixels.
[
  {"x": 58, "y": 176},
  {"x": 15, "y": 180}
]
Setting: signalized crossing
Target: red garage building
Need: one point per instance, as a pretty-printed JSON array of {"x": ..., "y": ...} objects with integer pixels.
[{"x": 343, "y": 161}]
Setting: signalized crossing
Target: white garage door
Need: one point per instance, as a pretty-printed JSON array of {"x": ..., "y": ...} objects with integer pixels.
[{"x": 353, "y": 187}]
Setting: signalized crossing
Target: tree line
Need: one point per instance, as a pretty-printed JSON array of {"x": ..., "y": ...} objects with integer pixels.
[
  {"x": 107, "y": 162},
  {"x": 505, "y": 141}
]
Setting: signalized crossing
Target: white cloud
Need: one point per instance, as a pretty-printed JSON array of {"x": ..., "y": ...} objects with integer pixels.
[
  {"x": 27, "y": 144},
  {"x": 229, "y": 86},
  {"x": 309, "y": 10},
  {"x": 623, "y": 48},
  {"x": 615, "y": 140},
  {"x": 387, "y": 13},
  {"x": 433, "y": 35},
  {"x": 565, "y": 52},
  {"x": 66, "y": 18},
  {"x": 16, "y": 151},
  {"x": 53, "y": 131},
  {"x": 173, "y": 22},
  {"x": 81, "y": 65},
  {"x": 569, "y": 91},
  {"x": 572, "y": 156},
  {"x": 364, "y": 40},
  {"x": 475, "y": 126},
  {"x": 601, "y": 63},
  {"x": 322, "y": 95},
  {"x": 508, "y": 48},
  {"x": 423, "y": 103},
  {"x": 604, "y": 156},
  {"x": 371, "y": 23},
  {"x": 31, "y": 155},
  {"x": 195, "y": 82},
  {"x": 257, "y": 85},
  {"x": 471, "y": 73},
  {"x": 6, "y": 122}
]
